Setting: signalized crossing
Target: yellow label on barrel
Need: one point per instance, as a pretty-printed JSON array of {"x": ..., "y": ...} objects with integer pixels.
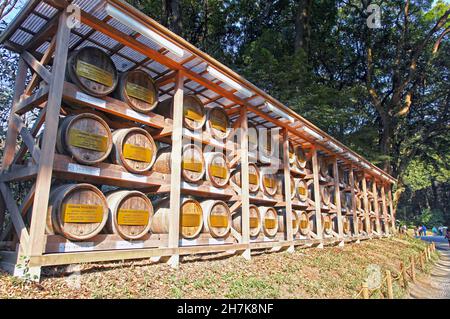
[
  {"x": 137, "y": 153},
  {"x": 193, "y": 115},
  {"x": 327, "y": 225},
  {"x": 220, "y": 221},
  {"x": 269, "y": 182},
  {"x": 219, "y": 123},
  {"x": 294, "y": 224},
  {"x": 304, "y": 224},
  {"x": 132, "y": 217},
  {"x": 218, "y": 171},
  {"x": 193, "y": 166},
  {"x": 190, "y": 220},
  {"x": 140, "y": 92},
  {"x": 82, "y": 213},
  {"x": 94, "y": 73},
  {"x": 270, "y": 223},
  {"x": 253, "y": 179},
  {"x": 254, "y": 222},
  {"x": 302, "y": 191},
  {"x": 90, "y": 141}
]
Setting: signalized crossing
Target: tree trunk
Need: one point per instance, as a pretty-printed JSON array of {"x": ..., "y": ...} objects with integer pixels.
[
  {"x": 171, "y": 15},
  {"x": 302, "y": 27}
]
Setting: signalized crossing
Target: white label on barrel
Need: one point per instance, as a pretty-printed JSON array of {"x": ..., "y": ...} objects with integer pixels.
[
  {"x": 134, "y": 177},
  {"x": 81, "y": 169},
  {"x": 188, "y": 242},
  {"x": 129, "y": 245},
  {"x": 90, "y": 99},
  {"x": 216, "y": 241},
  {"x": 75, "y": 246}
]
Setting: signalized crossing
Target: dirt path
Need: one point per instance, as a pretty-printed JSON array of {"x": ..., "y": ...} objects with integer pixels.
[{"x": 437, "y": 285}]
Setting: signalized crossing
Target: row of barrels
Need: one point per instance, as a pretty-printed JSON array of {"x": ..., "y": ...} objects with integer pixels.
[{"x": 81, "y": 211}]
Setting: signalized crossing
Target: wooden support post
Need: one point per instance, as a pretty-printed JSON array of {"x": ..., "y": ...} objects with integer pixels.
[
  {"x": 355, "y": 213},
  {"x": 385, "y": 212},
  {"x": 413, "y": 268},
  {"x": 337, "y": 200},
  {"x": 317, "y": 199},
  {"x": 422, "y": 263},
  {"x": 245, "y": 182},
  {"x": 391, "y": 208},
  {"x": 366, "y": 205},
  {"x": 13, "y": 129},
  {"x": 365, "y": 291},
  {"x": 403, "y": 274},
  {"x": 287, "y": 189},
  {"x": 390, "y": 290},
  {"x": 376, "y": 206},
  {"x": 45, "y": 166},
  {"x": 175, "y": 174}
]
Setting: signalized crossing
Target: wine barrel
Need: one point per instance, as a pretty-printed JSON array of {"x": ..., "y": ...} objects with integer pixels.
[
  {"x": 191, "y": 217},
  {"x": 93, "y": 71},
  {"x": 254, "y": 177},
  {"x": 282, "y": 222},
  {"x": 301, "y": 157},
  {"x": 325, "y": 195},
  {"x": 134, "y": 149},
  {"x": 252, "y": 141},
  {"x": 323, "y": 167},
  {"x": 193, "y": 111},
  {"x": 138, "y": 89},
  {"x": 268, "y": 182},
  {"x": 217, "y": 169},
  {"x": 216, "y": 217},
  {"x": 266, "y": 149},
  {"x": 217, "y": 122},
  {"x": 346, "y": 225},
  {"x": 301, "y": 190},
  {"x": 193, "y": 162},
  {"x": 130, "y": 213},
  {"x": 303, "y": 223},
  {"x": 269, "y": 221},
  {"x": 291, "y": 153},
  {"x": 76, "y": 211},
  {"x": 86, "y": 137},
  {"x": 255, "y": 221},
  {"x": 281, "y": 188},
  {"x": 327, "y": 224},
  {"x": 311, "y": 193}
]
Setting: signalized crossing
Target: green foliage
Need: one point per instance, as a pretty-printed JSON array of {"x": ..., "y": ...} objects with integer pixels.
[{"x": 431, "y": 217}]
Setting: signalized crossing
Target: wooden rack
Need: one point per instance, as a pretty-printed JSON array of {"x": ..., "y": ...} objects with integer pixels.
[{"x": 44, "y": 51}]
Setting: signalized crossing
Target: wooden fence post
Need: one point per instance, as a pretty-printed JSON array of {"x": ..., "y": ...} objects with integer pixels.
[
  {"x": 365, "y": 290},
  {"x": 413, "y": 269},
  {"x": 390, "y": 290},
  {"x": 426, "y": 254},
  {"x": 422, "y": 263},
  {"x": 403, "y": 274}
]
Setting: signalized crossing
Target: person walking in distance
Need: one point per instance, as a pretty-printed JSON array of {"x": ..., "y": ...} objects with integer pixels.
[{"x": 447, "y": 235}]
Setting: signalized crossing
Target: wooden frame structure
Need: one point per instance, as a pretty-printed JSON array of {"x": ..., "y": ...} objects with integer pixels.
[{"x": 43, "y": 37}]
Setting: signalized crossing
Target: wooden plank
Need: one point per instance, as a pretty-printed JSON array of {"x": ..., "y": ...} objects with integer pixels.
[
  {"x": 245, "y": 181},
  {"x": 37, "y": 67},
  {"x": 391, "y": 209},
  {"x": 43, "y": 180},
  {"x": 175, "y": 164},
  {"x": 32, "y": 101},
  {"x": 366, "y": 205},
  {"x": 385, "y": 211},
  {"x": 45, "y": 59},
  {"x": 28, "y": 139},
  {"x": 19, "y": 173},
  {"x": 337, "y": 199},
  {"x": 287, "y": 186},
  {"x": 376, "y": 206},
  {"x": 13, "y": 131},
  {"x": 317, "y": 199},
  {"x": 16, "y": 217},
  {"x": 355, "y": 213}
]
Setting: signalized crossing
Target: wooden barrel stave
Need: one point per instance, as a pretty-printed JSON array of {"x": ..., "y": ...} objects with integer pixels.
[{"x": 138, "y": 89}]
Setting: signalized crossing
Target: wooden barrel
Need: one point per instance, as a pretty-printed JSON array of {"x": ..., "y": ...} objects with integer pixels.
[
  {"x": 252, "y": 141},
  {"x": 269, "y": 220},
  {"x": 282, "y": 221},
  {"x": 130, "y": 213},
  {"x": 311, "y": 193},
  {"x": 301, "y": 157},
  {"x": 266, "y": 149},
  {"x": 138, "y": 89},
  {"x": 217, "y": 122},
  {"x": 346, "y": 225},
  {"x": 301, "y": 190},
  {"x": 86, "y": 137},
  {"x": 134, "y": 149},
  {"x": 193, "y": 163},
  {"x": 327, "y": 224},
  {"x": 217, "y": 169},
  {"x": 281, "y": 188},
  {"x": 216, "y": 218},
  {"x": 76, "y": 211},
  {"x": 93, "y": 71},
  {"x": 254, "y": 177},
  {"x": 191, "y": 217},
  {"x": 291, "y": 153},
  {"x": 255, "y": 221},
  {"x": 325, "y": 195},
  {"x": 303, "y": 223},
  {"x": 193, "y": 111},
  {"x": 323, "y": 167},
  {"x": 268, "y": 182}
]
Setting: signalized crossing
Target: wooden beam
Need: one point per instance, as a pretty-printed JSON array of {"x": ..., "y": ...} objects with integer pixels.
[
  {"x": 175, "y": 174},
  {"x": 37, "y": 67},
  {"x": 337, "y": 198},
  {"x": 287, "y": 186},
  {"x": 356, "y": 230},
  {"x": 391, "y": 209},
  {"x": 366, "y": 205},
  {"x": 385, "y": 211},
  {"x": 317, "y": 199},
  {"x": 245, "y": 182},
  {"x": 376, "y": 206}
]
